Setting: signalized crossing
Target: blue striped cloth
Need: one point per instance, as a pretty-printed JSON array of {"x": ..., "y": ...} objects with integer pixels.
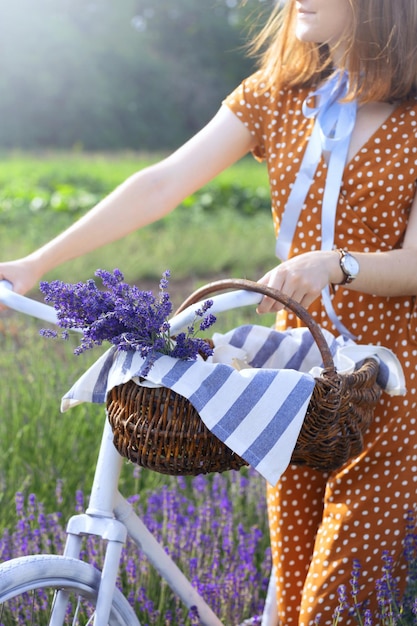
[{"x": 257, "y": 411}]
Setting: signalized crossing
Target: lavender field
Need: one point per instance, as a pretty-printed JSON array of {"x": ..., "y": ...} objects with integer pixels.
[{"x": 215, "y": 528}]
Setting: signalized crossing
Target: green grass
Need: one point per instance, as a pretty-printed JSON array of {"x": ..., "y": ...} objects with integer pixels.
[
  {"x": 189, "y": 242},
  {"x": 106, "y": 169},
  {"x": 23, "y": 172}
]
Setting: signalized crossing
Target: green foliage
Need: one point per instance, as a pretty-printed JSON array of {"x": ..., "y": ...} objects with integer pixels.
[
  {"x": 42, "y": 194},
  {"x": 32, "y": 184},
  {"x": 77, "y": 195},
  {"x": 140, "y": 74},
  {"x": 73, "y": 183},
  {"x": 235, "y": 196},
  {"x": 37, "y": 444}
]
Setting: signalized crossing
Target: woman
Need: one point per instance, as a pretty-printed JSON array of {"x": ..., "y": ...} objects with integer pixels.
[{"x": 354, "y": 270}]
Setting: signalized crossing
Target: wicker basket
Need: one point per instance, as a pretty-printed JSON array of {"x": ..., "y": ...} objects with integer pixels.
[{"x": 160, "y": 430}]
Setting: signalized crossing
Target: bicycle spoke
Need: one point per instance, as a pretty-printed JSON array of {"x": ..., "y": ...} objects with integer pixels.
[
  {"x": 36, "y": 607},
  {"x": 75, "y": 621}
]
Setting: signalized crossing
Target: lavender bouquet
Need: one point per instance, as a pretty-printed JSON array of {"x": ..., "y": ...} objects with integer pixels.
[{"x": 125, "y": 316}]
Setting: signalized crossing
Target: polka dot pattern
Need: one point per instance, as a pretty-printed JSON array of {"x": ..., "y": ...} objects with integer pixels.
[{"x": 319, "y": 523}]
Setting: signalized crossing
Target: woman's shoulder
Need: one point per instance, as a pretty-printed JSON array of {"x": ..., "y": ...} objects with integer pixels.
[{"x": 258, "y": 92}]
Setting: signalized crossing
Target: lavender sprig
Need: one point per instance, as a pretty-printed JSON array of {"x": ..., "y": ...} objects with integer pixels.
[{"x": 125, "y": 316}]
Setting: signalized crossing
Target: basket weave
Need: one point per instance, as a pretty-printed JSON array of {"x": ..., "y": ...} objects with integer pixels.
[
  {"x": 158, "y": 429},
  {"x": 161, "y": 430}
]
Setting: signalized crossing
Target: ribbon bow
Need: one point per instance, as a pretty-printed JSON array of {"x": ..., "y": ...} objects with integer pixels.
[{"x": 334, "y": 122}]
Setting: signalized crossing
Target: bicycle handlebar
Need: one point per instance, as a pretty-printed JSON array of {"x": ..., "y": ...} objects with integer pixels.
[
  {"x": 22, "y": 304},
  {"x": 221, "y": 302}
]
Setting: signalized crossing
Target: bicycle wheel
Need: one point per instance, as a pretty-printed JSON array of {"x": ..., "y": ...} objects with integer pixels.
[{"x": 28, "y": 586}]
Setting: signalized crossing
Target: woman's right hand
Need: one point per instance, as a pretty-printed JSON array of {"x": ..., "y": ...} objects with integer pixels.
[{"x": 21, "y": 273}]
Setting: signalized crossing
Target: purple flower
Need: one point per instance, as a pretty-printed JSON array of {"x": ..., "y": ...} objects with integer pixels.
[
  {"x": 224, "y": 555},
  {"x": 343, "y": 599},
  {"x": 356, "y": 570},
  {"x": 20, "y": 502},
  {"x": 125, "y": 316}
]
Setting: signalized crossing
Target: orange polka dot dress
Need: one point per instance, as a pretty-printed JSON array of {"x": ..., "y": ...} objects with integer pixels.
[{"x": 320, "y": 523}]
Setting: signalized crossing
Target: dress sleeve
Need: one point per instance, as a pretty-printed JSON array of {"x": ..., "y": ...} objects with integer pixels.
[{"x": 246, "y": 102}]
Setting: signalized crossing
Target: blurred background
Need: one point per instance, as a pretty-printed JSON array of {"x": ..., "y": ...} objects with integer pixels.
[{"x": 118, "y": 74}]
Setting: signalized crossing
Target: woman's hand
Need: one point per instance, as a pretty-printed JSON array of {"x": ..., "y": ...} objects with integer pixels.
[
  {"x": 21, "y": 273},
  {"x": 302, "y": 278}
]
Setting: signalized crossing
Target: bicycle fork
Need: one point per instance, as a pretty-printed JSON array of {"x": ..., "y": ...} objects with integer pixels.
[
  {"x": 111, "y": 517},
  {"x": 98, "y": 521}
]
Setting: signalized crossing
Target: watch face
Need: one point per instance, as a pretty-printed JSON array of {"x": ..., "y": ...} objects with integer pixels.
[{"x": 350, "y": 265}]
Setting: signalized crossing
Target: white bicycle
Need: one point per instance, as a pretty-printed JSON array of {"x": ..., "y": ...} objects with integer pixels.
[{"x": 71, "y": 591}]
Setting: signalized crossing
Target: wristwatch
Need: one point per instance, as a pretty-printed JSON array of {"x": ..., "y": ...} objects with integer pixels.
[{"x": 349, "y": 266}]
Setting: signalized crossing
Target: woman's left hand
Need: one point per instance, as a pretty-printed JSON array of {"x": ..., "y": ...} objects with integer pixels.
[{"x": 302, "y": 278}]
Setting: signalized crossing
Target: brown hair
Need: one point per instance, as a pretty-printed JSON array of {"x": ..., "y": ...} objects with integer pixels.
[{"x": 381, "y": 51}]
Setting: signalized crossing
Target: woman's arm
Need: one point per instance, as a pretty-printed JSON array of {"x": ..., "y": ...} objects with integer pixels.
[{"x": 143, "y": 198}]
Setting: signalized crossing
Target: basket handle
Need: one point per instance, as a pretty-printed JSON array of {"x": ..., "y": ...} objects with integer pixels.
[{"x": 294, "y": 306}]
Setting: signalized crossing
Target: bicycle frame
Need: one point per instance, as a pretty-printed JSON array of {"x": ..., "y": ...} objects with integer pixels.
[{"x": 109, "y": 515}]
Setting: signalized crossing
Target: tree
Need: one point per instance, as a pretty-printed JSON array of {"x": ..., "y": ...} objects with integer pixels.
[{"x": 141, "y": 74}]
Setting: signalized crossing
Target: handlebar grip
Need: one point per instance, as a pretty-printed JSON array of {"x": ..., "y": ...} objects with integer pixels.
[{"x": 25, "y": 305}]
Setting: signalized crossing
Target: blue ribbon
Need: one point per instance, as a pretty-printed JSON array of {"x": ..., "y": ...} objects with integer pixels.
[{"x": 334, "y": 122}]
